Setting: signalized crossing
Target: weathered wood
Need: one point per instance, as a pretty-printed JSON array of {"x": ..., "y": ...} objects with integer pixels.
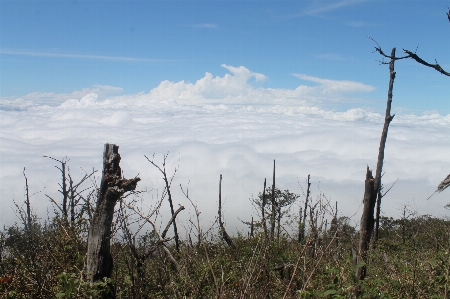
[
  {"x": 223, "y": 232},
  {"x": 387, "y": 120},
  {"x": 274, "y": 206},
  {"x": 366, "y": 225},
  {"x": 263, "y": 207},
  {"x": 301, "y": 234},
  {"x": 112, "y": 187}
]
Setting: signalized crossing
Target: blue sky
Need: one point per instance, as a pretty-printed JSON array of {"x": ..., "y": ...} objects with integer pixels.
[
  {"x": 63, "y": 46},
  {"x": 226, "y": 87}
]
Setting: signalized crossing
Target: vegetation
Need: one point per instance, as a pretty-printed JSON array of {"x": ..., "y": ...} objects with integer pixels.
[{"x": 48, "y": 260}]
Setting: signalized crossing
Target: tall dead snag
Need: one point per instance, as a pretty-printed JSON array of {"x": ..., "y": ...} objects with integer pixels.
[
  {"x": 373, "y": 185},
  {"x": 28, "y": 223},
  {"x": 274, "y": 207},
  {"x": 301, "y": 234},
  {"x": 387, "y": 120},
  {"x": 223, "y": 232},
  {"x": 263, "y": 207},
  {"x": 112, "y": 187},
  {"x": 366, "y": 225}
]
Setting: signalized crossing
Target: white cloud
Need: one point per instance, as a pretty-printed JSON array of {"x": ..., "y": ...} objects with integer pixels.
[
  {"x": 219, "y": 136},
  {"x": 317, "y": 7},
  {"x": 331, "y": 56},
  {"x": 360, "y": 24},
  {"x": 326, "y": 6},
  {"x": 337, "y": 86},
  {"x": 56, "y": 99},
  {"x": 236, "y": 88},
  {"x": 205, "y": 25},
  {"x": 17, "y": 52}
]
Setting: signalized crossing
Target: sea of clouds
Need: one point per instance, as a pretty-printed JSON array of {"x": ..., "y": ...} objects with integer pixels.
[{"x": 223, "y": 125}]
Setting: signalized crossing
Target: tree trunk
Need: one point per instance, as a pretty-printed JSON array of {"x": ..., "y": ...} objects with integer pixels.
[
  {"x": 274, "y": 207},
  {"x": 366, "y": 225},
  {"x": 387, "y": 120},
  {"x": 112, "y": 187},
  {"x": 223, "y": 232},
  {"x": 263, "y": 207},
  {"x": 303, "y": 226}
]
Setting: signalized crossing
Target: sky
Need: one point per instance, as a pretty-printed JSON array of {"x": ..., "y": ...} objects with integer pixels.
[{"x": 225, "y": 87}]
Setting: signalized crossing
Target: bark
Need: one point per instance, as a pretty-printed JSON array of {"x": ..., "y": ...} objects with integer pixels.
[
  {"x": 223, "y": 232},
  {"x": 302, "y": 232},
  {"x": 387, "y": 120},
  {"x": 112, "y": 187},
  {"x": 366, "y": 225},
  {"x": 274, "y": 206},
  {"x": 263, "y": 207},
  {"x": 377, "y": 220},
  {"x": 169, "y": 197},
  {"x": 28, "y": 222},
  {"x": 300, "y": 225}
]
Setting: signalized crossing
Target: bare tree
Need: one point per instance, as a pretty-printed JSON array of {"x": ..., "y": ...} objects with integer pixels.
[
  {"x": 302, "y": 225},
  {"x": 373, "y": 185},
  {"x": 112, "y": 187},
  {"x": 28, "y": 222},
  {"x": 274, "y": 206},
  {"x": 168, "y": 183},
  {"x": 223, "y": 232},
  {"x": 263, "y": 207},
  {"x": 446, "y": 182},
  {"x": 161, "y": 237},
  {"x": 71, "y": 194}
]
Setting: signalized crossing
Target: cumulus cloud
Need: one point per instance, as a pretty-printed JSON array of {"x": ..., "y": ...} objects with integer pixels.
[
  {"x": 224, "y": 125},
  {"x": 55, "y": 99},
  {"x": 236, "y": 88}
]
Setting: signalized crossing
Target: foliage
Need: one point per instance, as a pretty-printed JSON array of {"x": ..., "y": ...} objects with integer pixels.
[{"x": 48, "y": 262}]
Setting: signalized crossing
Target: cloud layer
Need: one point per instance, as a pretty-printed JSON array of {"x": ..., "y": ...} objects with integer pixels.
[{"x": 224, "y": 125}]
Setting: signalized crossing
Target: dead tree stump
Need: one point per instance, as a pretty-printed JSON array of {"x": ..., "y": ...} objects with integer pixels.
[{"x": 112, "y": 187}]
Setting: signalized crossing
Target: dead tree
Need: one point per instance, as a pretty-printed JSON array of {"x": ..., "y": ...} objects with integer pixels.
[
  {"x": 141, "y": 257},
  {"x": 301, "y": 234},
  {"x": 274, "y": 206},
  {"x": 64, "y": 192},
  {"x": 387, "y": 120},
  {"x": 263, "y": 207},
  {"x": 373, "y": 185},
  {"x": 366, "y": 225},
  {"x": 28, "y": 223},
  {"x": 223, "y": 232},
  {"x": 71, "y": 195},
  {"x": 168, "y": 183},
  {"x": 112, "y": 187},
  {"x": 446, "y": 182}
]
